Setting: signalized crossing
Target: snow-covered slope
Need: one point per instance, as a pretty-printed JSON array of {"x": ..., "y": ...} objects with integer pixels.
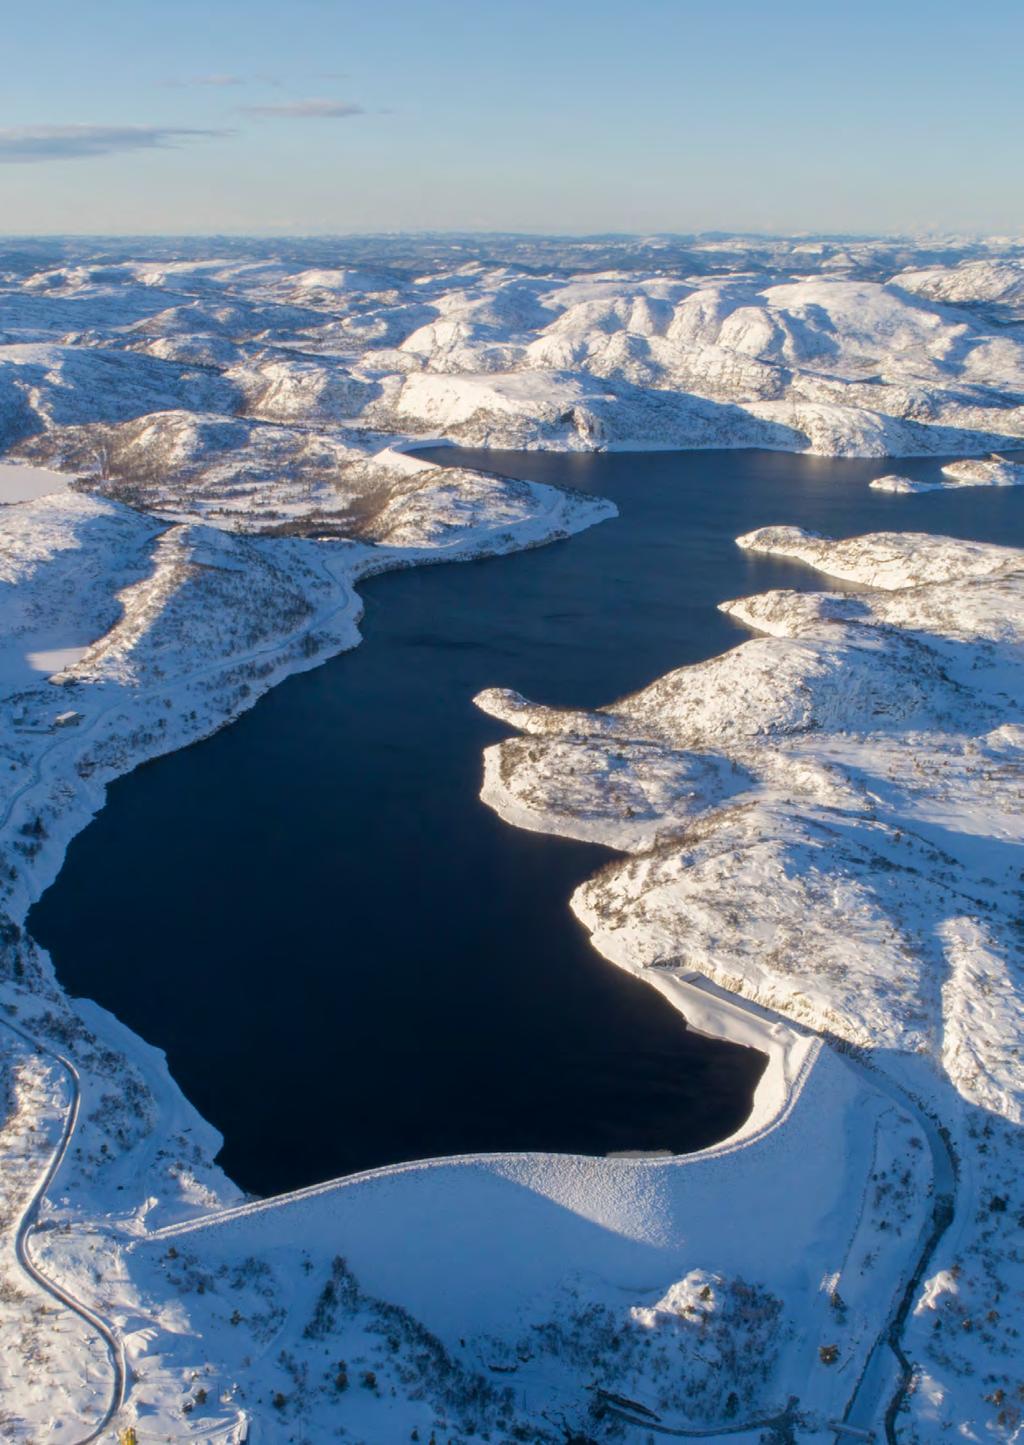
[
  {"x": 819, "y": 831},
  {"x": 783, "y": 345},
  {"x": 126, "y": 634},
  {"x": 827, "y": 822}
]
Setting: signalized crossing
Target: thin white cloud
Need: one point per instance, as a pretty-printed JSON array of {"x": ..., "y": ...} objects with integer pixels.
[
  {"x": 303, "y": 109},
  {"x": 23, "y": 144}
]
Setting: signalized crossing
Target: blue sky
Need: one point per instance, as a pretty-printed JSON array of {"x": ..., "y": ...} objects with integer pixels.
[{"x": 570, "y": 115}]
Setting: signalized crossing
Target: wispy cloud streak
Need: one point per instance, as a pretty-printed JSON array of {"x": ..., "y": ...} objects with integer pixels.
[
  {"x": 304, "y": 109},
  {"x": 23, "y": 144}
]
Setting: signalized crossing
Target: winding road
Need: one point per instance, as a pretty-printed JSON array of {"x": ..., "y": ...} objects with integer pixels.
[
  {"x": 871, "y": 1396},
  {"x": 28, "y": 1223},
  {"x": 866, "y": 1402},
  {"x": 345, "y": 603},
  {"x": 873, "y": 1401}
]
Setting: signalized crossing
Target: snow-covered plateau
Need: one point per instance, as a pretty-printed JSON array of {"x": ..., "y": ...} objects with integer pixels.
[{"x": 819, "y": 836}]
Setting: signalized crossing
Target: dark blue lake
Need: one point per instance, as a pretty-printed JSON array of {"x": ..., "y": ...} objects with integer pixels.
[{"x": 348, "y": 959}]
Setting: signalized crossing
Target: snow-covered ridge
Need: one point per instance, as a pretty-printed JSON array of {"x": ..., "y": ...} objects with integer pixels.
[
  {"x": 788, "y": 346},
  {"x": 827, "y": 822},
  {"x": 234, "y": 429},
  {"x": 157, "y": 632}
]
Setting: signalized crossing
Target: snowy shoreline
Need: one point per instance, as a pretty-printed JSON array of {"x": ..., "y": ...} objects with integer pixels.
[
  {"x": 845, "y": 783},
  {"x": 195, "y": 533},
  {"x": 793, "y": 1054}
]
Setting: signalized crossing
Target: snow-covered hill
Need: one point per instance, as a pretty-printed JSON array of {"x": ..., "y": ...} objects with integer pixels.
[
  {"x": 827, "y": 821},
  {"x": 783, "y": 345},
  {"x": 819, "y": 833}
]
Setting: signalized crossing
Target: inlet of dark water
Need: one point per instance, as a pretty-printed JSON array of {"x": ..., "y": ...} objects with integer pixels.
[{"x": 348, "y": 959}]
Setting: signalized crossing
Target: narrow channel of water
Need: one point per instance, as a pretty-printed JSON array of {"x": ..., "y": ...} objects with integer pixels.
[{"x": 348, "y": 959}]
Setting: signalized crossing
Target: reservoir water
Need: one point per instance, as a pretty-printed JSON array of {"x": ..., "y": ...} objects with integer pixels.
[{"x": 347, "y": 958}]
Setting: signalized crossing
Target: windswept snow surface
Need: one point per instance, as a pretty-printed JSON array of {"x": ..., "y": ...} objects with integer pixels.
[{"x": 819, "y": 829}]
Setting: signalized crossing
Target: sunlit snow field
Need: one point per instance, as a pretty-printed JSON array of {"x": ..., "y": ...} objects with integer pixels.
[{"x": 738, "y": 750}]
